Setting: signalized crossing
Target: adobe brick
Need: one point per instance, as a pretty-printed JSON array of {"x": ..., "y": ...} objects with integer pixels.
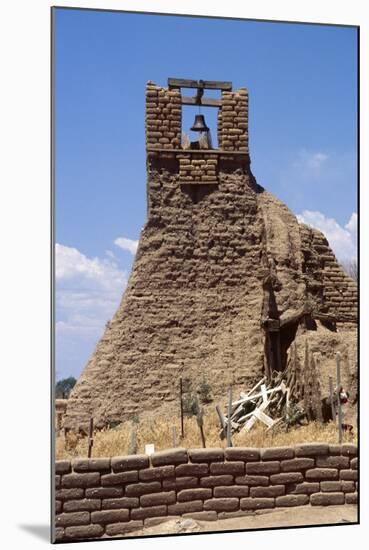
[
  {"x": 63, "y": 467},
  {"x": 91, "y": 464},
  {"x": 149, "y": 512},
  {"x": 206, "y": 455},
  {"x": 159, "y": 472},
  {"x": 354, "y": 463},
  {"x": 286, "y": 477},
  {"x": 325, "y": 499},
  {"x": 104, "y": 492},
  {"x": 153, "y": 499},
  {"x": 116, "y": 529},
  {"x": 311, "y": 449},
  {"x": 247, "y": 454},
  {"x": 292, "y": 500},
  {"x": 304, "y": 488},
  {"x": 330, "y": 486},
  {"x": 191, "y": 470},
  {"x": 85, "y": 504},
  {"x": 348, "y": 449},
  {"x": 348, "y": 475},
  {"x": 81, "y": 480},
  {"x": 351, "y": 498},
  {"x": 129, "y": 462},
  {"x": 268, "y": 492},
  {"x": 58, "y": 506},
  {"x": 184, "y": 482},
  {"x": 171, "y": 456},
  {"x": 122, "y": 478},
  {"x": 227, "y": 468},
  {"x": 194, "y": 494},
  {"x": 185, "y": 507},
  {"x": 221, "y": 504},
  {"x": 321, "y": 474},
  {"x": 297, "y": 464},
  {"x": 84, "y": 532},
  {"x": 150, "y": 522},
  {"x": 273, "y": 453},
  {"x": 109, "y": 516},
  {"x": 256, "y": 503},
  {"x": 68, "y": 494},
  {"x": 72, "y": 518},
  {"x": 119, "y": 503},
  {"x": 138, "y": 489},
  {"x": 252, "y": 481},
  {"x": 272, "y": 467},
  {"x": 59, "y": 534},
  {"x": 348, "y": 486},
  {"x": 332, "y": 462},
  {"x": 57, "y": 482},
  {"x": 213, "y": 481},
  {"x": 231, "y": 491}
]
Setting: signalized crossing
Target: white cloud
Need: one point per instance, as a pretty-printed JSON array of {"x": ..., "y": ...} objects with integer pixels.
[
  {"x": 88, "y": 292},
  {"x": 341, "y": 239},
  {"x": 127, "y": 244},
  {"x": 310, "y": 161}
]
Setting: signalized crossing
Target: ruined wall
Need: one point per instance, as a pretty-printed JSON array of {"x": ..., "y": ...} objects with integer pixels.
[
  {"x": 194, "y": 303},
  {"x": 111, "y": 497}
]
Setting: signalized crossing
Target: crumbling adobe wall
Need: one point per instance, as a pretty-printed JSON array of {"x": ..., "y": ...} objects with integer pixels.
[{"x": 215, "y": 246}]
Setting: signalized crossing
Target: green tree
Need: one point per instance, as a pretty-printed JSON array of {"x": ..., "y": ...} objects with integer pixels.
[{"x": 64, "y": 387}]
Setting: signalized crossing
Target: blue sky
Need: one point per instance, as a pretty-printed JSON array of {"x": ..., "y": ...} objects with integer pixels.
[{"x": 302, "y": 82}]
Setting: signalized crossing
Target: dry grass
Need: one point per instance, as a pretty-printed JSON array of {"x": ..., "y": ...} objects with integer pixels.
[{"x": 117, "y": 441}]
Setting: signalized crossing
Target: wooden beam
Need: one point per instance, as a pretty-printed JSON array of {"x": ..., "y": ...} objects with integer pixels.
[
  {"x": 205, "y": 101},
  {"x": 208, "y": 84}
]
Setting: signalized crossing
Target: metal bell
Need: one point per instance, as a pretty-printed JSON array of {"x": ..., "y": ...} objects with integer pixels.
[{"x": 199, "y": 125}]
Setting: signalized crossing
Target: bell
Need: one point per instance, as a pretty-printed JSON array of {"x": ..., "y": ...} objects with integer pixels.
[{"x": 199, "y": 124}]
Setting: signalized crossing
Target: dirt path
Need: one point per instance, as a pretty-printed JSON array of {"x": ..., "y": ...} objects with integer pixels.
[{"x": 282, "y": 517}]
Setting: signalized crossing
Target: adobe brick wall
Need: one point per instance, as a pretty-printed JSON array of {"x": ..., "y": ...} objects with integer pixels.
[{"x": 109, "y": 497}]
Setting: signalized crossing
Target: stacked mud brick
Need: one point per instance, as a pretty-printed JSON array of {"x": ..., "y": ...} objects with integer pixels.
[
  {"x": 163, "y": 117},
  {"x": 233, "y": 121},
  {"x": 110, "y": 497},
  {"x": 336, "y": 291},
  {"x": 198, "y": 168}
]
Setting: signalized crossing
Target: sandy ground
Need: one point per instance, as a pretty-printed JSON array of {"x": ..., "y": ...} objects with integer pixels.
[{"x": 282, "y": 517}]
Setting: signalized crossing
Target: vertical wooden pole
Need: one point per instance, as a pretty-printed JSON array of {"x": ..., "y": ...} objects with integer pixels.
[
  {"x": 222, "y": 422},
  {"x": 332, "y": 401},
  {"x": 174, "y": 436},
  {"x": 90, "y": 437},
  {"x": 200, "y": 421},
  {"x": 339, "y": 407},
  {"x": 229, "y": 423},
  {"x": 181, "y": 406}
]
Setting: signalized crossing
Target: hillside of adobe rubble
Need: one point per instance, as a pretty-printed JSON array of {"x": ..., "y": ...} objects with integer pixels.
[{"x": 226, "y": 285}]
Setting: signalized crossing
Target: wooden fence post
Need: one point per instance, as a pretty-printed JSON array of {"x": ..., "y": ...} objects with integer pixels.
[
  {"x": 332, "y": 401},
  {"x": 339, "y": 406},
  {"x": 222, "y": 422},
  {"x": 181, "y": 406},
  {"x": 90, "y": 437},
  {"x": 229, "y": 421}
]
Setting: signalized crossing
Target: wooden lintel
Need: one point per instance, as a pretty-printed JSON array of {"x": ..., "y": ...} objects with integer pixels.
[
  {"x": 208, "y": 84},
  {"x": 205, "y": 101}
]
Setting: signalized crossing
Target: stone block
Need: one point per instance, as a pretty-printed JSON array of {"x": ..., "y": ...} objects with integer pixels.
[
  {"x": 139, "y": 489},
  {"x": 277, "y": 453},
  {"x": 153, "y": 499},
  {"x": 325, "y": 499},
  {"x": 292, "y": 500},
  {"x": 109, "y": 516},
  {"x": 119, "y": 503},
  {"x": 321, "y": 474},
  {"x": 122, "y": 478},
  {"x": 82, "y": 532},
  {"x": 311, "y": 449},
  {"x": 72, "y": 518},
  {"x": 81, "y": 480},
  {"x": 227, "y": 468},
  {"x": 206, "y": 455},
  {"x": 194, "y": 494},
  {"x": 171, "y": 456},
  {"x": 85, "y": 504},
  {"x": 297, "y": 464},
  {"x": 256, "y": 503},
  {"x": 272, "y": 467},
  {"x": 221, "y": 504}
]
